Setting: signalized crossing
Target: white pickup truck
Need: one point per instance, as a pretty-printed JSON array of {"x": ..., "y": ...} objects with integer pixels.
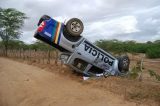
[{"x": 77, "y": 52}]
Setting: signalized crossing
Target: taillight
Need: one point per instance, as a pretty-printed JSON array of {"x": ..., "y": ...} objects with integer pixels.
[{"x": 41, "y": 26}]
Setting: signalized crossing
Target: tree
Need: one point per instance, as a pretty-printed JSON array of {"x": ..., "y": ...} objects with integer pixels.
[{"x": 11, "y": 20}]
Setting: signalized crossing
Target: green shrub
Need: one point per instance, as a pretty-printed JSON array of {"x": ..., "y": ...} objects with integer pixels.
[
  {"x": 153, "y": 52},
  {"x": 152, "y": 49}
]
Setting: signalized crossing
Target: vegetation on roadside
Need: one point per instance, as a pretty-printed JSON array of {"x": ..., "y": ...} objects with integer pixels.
[
  {"x": 154, "y": 74},
  {"x": 135, "y": 71},
  {"x": 151, "y": 49},
  {"x": 153, "y": 52}
]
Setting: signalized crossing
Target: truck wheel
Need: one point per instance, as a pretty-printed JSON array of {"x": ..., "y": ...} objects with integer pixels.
[
  {"x": 43, "y": 18},
  {"x": 74, "y": 27},
  {"x": 123, "y": 64}
]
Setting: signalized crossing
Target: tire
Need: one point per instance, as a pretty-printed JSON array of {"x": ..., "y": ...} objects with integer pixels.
[
  {"x": 74, "y": 27},
  {"x": 123, "y": 64},
  {"x": 43, "y": 18},
  {"x": 69, "y": 37}
]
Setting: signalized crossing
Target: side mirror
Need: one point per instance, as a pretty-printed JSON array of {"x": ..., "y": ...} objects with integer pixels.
[{"x": 64, "y": 57}]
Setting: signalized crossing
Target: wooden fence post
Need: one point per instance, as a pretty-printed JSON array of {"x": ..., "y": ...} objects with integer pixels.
[
  {"x": 141, "y": 68},
  {"x": 20, "y": 53},
  {"x": 23, "y": 54},
  {"x": 43, "y": 56},
  {"x": 56, "y": 58},
  {"x": 48, "y": 57},
  {"x": 29, "y": 55},
  {"x": 39, "y": 56}
]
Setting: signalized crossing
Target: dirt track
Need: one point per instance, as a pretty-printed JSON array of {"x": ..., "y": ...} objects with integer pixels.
[{"x": 27, "y": 85}]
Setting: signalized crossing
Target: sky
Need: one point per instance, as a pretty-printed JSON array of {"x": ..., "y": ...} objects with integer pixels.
[{"x": 137, "y": 20}]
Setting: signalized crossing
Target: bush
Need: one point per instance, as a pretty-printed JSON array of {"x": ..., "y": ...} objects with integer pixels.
[
  {"x": 153, "y": 53},
  {"x": 152, "y": 49}
]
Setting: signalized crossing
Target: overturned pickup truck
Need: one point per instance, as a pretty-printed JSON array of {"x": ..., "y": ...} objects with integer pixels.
[{"x": 76, "y": 51}]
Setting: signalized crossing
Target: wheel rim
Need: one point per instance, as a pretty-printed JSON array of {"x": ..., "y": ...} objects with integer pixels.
[
  {"x": 125, "y": 62},
  {"x": 75, "y": 26}
]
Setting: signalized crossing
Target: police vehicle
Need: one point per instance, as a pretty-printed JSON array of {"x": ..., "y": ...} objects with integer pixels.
[{"x": 76, "y": 51}]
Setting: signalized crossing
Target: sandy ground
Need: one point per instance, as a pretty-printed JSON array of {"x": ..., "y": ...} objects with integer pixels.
[{"x": 27, "y": 85}]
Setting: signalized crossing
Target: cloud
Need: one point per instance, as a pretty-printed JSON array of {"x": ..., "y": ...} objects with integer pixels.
[
  {"x": 103, "y": 19},
  {"x": 28, "y": 37},
  {"x": 109, "y": 28}
]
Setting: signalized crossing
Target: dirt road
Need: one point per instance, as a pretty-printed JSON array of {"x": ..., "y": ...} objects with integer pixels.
[{"x": 26, "y": 85}]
